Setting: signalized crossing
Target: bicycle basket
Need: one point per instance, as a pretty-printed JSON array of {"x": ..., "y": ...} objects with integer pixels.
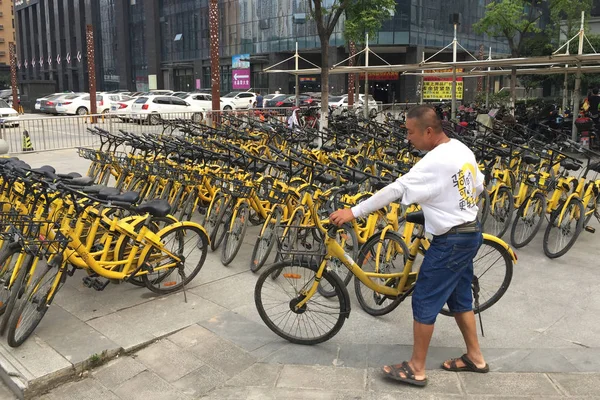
[{"x": 236, "y": 188}]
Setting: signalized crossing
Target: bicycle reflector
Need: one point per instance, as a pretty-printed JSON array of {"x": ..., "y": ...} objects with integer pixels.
[{"x": 292, "y": 276}]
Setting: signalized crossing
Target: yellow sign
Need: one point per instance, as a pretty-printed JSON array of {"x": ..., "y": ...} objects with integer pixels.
[{"x": 441, "y": 90}]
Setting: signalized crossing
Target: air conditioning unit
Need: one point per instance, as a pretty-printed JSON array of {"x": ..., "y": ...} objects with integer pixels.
[
  {"x": 2, "y": 53},
  {"x": 1, "y": 27},
  {"x": 299, "y": 18},
  {"x": 263, "y": 24},
  {"x": 2, "y": 40}
]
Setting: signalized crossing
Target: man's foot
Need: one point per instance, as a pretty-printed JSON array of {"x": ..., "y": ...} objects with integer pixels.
[
  {"x": 464, "y": 363},
  {"x": 404, "y": 373}
]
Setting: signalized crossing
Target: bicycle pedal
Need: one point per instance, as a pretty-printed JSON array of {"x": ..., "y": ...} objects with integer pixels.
[
  {"x": 88, "y": 281},
  {"x": 99, "y": 285},
  {"x": 148, "y": 268},
  {"x": 590, "y": 229},
  {"x": 202, "y": 210}
]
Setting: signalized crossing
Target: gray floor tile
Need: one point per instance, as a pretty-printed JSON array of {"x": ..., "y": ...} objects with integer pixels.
[
  {"x": 117, "y": 371},
  {"x": 222, "y": 355},
  {"x": 328, "y": 353},
  {"x": 200, "y": 381},
  {"x": 259, "y": 374},
  {"x": 167, "y": 360},
  {"x": 86, "y": 389},
  {"x": 507, "y": 384},
  {"x": 321, "y": 377},
  {"x": 148, "y": 386},
  {"x": 581, "y": 384},
  {"x": 245, "y": 333}
]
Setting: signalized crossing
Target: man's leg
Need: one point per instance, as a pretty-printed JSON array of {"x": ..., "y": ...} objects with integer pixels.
[
  {"x": 468, "y": 328},
  {"x": 422, "y": 336}
]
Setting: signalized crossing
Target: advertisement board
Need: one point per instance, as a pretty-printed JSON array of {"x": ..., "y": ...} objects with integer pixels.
[
  {"x": 436, "y": 88},
  {"x": 240, "y": 71}
]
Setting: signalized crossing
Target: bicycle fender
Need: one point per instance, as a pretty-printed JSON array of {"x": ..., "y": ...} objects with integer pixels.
[
  {"x": 563, "y": 208},
  {"x": 149, "y": 247},
  {"x": 502, "y": 243}
]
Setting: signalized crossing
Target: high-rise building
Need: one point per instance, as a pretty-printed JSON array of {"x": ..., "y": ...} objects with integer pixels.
[{"x": 7, "y": 29}]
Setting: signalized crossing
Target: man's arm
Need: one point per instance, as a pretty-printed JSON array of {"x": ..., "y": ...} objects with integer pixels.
[{"x": 382, "y": 198}]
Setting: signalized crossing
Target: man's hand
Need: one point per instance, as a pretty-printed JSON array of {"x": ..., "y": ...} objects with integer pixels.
[{"x": 342, "y": 216}]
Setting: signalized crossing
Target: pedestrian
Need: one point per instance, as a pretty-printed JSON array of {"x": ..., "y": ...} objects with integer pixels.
[
  {"x": 259, "y": 100},
  {"x": 445, "y": 183},
  {"x": 294, "y": 120},
  {"x": 594, "y": 102}
]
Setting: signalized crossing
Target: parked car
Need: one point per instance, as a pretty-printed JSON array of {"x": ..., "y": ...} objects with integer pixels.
[
  {"x": 122, "y": 109},
  {"x": 342, "y": 102},
  {"x": 276, "y": 101},
  {"x": 198, "y": 100},
  {"x": 38, "y": 101},
  {"x": 160, "y": 92},
  {"x": 8, "y": 116},
  {"x": 180, "y": 94},
  {"x": 238, "y": 100},
  {"x": 48, "y": 105},
  {"x": 305, "y": 101},
  {"x": 79, "y": 104},
  {"x": 155, "y": 108}
]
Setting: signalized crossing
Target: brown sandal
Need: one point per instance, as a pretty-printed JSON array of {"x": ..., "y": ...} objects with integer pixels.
[
  {"x": 469, "y": 366},
  {"x": 409, "y": 375}
]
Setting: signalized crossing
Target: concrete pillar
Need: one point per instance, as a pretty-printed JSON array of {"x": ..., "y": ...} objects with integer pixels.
[{"x": 409, "y": 84}]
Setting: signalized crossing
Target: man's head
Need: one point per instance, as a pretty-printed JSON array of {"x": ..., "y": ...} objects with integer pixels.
[
  {"x": 424, "y": 128},
  {"x": 595, "y": 91}
]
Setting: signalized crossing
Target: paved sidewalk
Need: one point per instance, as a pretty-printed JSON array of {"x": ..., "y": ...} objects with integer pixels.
[
  {"x": 198, "y": 364},
  {"x": 542, "y": 339}
]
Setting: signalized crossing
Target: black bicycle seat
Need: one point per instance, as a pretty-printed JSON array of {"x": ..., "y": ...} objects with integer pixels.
[
  {"x": 570, "y": 165},
  {"x": 156, "y": 208},
  {"x": 416, "y": 217}
]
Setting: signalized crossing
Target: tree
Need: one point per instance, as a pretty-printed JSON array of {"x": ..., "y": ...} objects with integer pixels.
[
  {"x": 516, "y": 20},
  {"x": 366, "y": 17},
  {"x": 326, "y": 18}
]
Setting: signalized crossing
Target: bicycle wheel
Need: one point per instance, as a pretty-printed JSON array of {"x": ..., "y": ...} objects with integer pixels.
[
  {"x": 165, "y": 275},
  {"x": 222, "y": 222},
  {"x": 592, "y": 209},
  {"x": 188, "y": 206},
  {"x": 235, "y": 234},
  {"x": 264, "y": 242},
  {"x": 316, "y": 321},
  {"x": 289, "y": 237},
  {"x": 33, "y": 305},
  {"x": 15, "y": 291},
  {"x": 492, "y": 273},
  {"x": 212, "y": 213},
  {"x": 10, "y": 256},
  {"x": 501, "y": 210},
  {"x": 346, "y": 237},
  {"x": 483, "y": 205},
  {"x": 560, "y": 236},
  {"x": 392, "y": 252},
  {"x": 528, "y": 221}
]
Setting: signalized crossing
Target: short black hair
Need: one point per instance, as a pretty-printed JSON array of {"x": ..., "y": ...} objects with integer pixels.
[
  {"x": 595, "y": 91},
  {"x": 426, "y": 118}
]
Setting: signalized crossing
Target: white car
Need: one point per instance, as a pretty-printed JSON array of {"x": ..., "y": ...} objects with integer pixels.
[
  {"x": 8, "y": 116},
  {"x": 121, "y": 109},
  {"x": 155, "y": 108},
  {"x": 198, "y": 100},
  {"x": 160, "y": 93},
  {"x": 238, "y": 100},
  {"x": 341, "y": 102},
  {"x": 79, "y": 104}
]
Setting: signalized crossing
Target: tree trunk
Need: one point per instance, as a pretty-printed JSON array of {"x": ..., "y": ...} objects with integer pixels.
[
  {"x": 351, "y": 77},
  {"x": 324, "y": 83},
  {"x": 513, "y": 90}
]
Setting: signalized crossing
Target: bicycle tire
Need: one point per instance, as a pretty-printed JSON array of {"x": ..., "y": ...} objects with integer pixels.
[
  {"x": 221, "y": 221},
  {"x": 489, "y": 247},
  {"x": 188, "y": 206},
  {"x": 16, "y": 336},
  {"x": 289, "y": 240},
  {"x": 483, "y": 204},
  {"x": 235, "y": 235},
  {"x": 335, "y": 265},
  {"x": 500, "y": 215},
  {"x": 299, "y": 269},
  {"x": 212, "y": 213},
  {"x": 9, "y": 256},
  {"x": 15, "y": 292},
  {"x": 156, "y": 281},
  {"x": 535, "y": 204},
  {"x": 576, "y": 202},
  {"x": 265, "y": 242},
  {"x": 365, "y": 256},
  {"x": 591, "y": 209}
]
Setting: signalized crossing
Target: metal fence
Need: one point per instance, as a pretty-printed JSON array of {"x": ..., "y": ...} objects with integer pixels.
[{"x": 53, "y": 133}]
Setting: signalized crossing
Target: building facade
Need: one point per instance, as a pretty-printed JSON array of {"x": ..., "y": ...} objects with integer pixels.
[
  {"x": 147, "y": 44},
  {"x": 7, "y": 29}
]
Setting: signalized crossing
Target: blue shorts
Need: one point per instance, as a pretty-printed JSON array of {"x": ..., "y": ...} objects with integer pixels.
[{"x": 445, "y": 276}]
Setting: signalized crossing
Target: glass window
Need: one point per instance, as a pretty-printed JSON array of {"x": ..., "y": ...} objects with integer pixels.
[{"x": 141, "y": 100}]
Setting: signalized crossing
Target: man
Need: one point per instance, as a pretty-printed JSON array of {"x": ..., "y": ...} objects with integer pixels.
[
  {"x": 446, "y": 183},
  {"x": 259, "y": 100},
  {"x": 594, "y": 102}
]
